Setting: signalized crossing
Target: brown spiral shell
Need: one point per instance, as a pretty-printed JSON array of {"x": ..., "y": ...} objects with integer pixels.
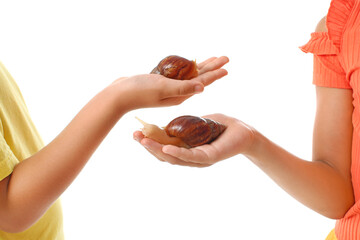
[
  {"x": 194, "y": 131},
  {"x": 176, "y": 67}
]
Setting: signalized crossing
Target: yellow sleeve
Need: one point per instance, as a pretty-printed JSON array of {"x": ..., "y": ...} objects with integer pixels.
[{"x": 7, "y": 159}]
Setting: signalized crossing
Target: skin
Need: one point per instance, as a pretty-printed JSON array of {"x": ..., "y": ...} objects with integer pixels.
[
  {"x": 323, "y": 184},
  {"x": 58, "y": 163}
]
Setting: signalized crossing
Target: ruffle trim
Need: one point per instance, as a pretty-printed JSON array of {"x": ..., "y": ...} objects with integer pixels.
[
  {"x": 320, "y": 44},
  {"x": 329, "y": 43},
  {"x": 337, "y": 19}
]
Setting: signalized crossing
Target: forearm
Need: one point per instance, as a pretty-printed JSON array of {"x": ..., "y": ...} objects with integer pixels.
[
  {"x": 39, "y": 180},
  {"x": 316, "y": 184}
]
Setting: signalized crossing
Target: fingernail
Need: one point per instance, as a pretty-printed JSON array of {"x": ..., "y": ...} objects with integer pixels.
[
  {"x": 198, "y": 89},
  {"x": 165, "y": 150}
]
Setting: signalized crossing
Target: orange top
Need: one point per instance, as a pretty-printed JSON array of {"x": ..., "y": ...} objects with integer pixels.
[{"x": 337, "y": 64}]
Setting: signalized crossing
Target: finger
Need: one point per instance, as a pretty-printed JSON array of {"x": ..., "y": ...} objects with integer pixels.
[
  {"x": 209, "y": 77},
  {"x": 175, "y": 161},
  {"x": 214, "y": 64},
  {"x": 202, "y": 64},
  {"x": 188, "y": 164},
  {"x": 172, "y": 101},
  {"x": 192, "y": 155},
  {"x": 152, "y": 152},
  {"x": 138, "y": 136},
  {"x": 155, "y": 149}
]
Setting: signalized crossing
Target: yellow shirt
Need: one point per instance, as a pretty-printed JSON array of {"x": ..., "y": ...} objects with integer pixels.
[
  {"x": 331, "y": 235},
  {"x": 19, "y": 140}
]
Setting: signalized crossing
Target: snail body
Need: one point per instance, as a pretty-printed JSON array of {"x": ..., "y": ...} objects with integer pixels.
[
  {"x": 176, "y": 67},
  {"x": 185, "y": 131},
  {"x": 158, "y": 134}
]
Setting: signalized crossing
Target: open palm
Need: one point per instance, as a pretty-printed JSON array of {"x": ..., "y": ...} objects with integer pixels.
[{"x": 237, "y": 138}]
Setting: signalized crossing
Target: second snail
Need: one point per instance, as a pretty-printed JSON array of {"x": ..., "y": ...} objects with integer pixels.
[{"x": 185, "y": 131}]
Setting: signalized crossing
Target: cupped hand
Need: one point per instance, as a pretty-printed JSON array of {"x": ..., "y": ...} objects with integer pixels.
[
  {"x": 236, "y": 139},
  {"x": 153, "y": 90}
]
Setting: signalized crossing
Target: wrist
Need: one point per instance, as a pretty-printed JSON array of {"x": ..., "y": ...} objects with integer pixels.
[
  {"x": 255, "y": 141},
  {"x": 115, "y": 100},
  {"x": 129, "y": 94},
  {"x": 125, "y": 95},
  {"x": 260, "y": 150}
]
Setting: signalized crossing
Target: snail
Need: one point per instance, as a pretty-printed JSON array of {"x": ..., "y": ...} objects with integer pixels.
[
  {"x": 176, "y": 67},
  {"x": 185, "y": 131}
]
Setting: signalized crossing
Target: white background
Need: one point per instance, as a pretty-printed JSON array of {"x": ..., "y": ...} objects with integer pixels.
[{"x": 62, "y": 53}]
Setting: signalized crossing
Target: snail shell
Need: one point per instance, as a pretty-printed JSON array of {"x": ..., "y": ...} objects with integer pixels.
[
  {"x": 185, "y": 131},
  {"x": 176, "y": 67},
  {"x": 194, "y": 131}
]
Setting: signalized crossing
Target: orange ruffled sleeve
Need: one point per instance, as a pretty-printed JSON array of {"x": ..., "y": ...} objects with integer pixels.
[{"x": 328, "y": 71}]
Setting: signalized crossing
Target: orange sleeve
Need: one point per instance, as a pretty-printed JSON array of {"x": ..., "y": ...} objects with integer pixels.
[{"x": 329, "y": 73}]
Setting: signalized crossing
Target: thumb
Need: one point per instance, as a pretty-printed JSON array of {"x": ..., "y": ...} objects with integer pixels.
[{"x": 183, "y": 88}]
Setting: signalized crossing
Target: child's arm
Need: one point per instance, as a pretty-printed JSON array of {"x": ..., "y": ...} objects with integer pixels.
[
  {"x": 39, "y": 180},
  {"x": 323, "y": 184}
]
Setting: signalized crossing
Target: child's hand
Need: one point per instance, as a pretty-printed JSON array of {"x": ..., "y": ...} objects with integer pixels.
[
  {"x": 153, "y": 90},
  {"x": 237, "y": 138}
]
